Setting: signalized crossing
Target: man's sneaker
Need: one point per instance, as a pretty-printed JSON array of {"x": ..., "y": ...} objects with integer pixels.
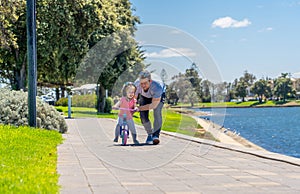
[
  {"x": 136, "y": 142},
  {"x": 149, "y": 140},
  {"x": 155, "y": 140},
  {"x": 116, "y": 139}
]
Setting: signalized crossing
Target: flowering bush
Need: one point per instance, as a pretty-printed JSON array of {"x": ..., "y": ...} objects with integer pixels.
[{"x": 14, "y": 111}]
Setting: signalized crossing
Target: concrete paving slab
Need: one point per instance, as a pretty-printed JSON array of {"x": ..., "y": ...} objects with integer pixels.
[{"x": 89, "y": 162}]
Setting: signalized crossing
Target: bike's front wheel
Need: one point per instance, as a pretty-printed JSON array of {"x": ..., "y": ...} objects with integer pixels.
[{"x": 124, "y": 135}]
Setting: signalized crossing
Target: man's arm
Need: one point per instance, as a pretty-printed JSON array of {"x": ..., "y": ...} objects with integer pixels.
[{"x": 153, "y": 105}]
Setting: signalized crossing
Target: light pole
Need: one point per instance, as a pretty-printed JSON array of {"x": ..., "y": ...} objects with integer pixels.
[
  {"x": 69, "y": 104},
  {"x": 32, "y": 60}
]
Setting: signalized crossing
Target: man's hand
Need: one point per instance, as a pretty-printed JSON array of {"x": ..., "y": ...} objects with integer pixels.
[{"x": 153, "y": 105}]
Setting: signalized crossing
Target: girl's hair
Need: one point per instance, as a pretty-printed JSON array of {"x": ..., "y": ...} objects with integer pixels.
[{"x": 126, "y": 86}]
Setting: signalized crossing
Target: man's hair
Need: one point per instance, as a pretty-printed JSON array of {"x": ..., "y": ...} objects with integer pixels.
[{"x": 145, "y": 74}]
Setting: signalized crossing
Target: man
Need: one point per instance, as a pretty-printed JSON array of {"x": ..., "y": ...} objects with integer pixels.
[{"x": 150, "y": 95}]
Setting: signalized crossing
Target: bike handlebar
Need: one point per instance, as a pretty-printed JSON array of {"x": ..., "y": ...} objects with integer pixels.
[{"x": 124, "y": 109}]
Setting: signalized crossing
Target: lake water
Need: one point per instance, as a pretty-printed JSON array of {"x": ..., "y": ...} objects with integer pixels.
[{"x": 275, "y": 129}]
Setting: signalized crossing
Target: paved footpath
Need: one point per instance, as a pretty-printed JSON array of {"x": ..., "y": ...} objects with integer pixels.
[{"x": 89, "y": 162}]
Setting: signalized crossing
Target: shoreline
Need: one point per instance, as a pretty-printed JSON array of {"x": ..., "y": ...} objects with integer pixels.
[
  {"x": 219, "y": 132},
  {"x": 289, "y": 104}
]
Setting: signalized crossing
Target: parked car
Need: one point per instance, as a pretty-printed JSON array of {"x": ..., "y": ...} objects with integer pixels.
[{"x": 48, "y": 99}]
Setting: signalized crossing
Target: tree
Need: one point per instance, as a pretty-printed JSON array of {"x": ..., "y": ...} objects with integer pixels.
[
  {"x": 248, "y": 78},
  {"x": 241, "y": 89},
  {"x": 221, "y": 91},
  {"x": 171, "y": 96},
  {"x": 191, "y": 96},
  {"x": 66, "y": 30},
  {"x": 193, "y": 76},
  {"x": 229, "y": 93},
  {"x": 13, "y": 43},
  {"x": 63, "y": 33},
  {"x": 283, "y": 86},
  {"x": 180, "y": 85},
  {"x": 206, "y": 94},
  {"x": 261, "y": 88},
  {"x": 243, "y": 85},
  {"x": 163, "y": 75}
]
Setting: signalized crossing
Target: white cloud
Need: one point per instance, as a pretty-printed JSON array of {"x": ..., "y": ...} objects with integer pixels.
[
  {"x": 228, "y": 22},
  {"x": 171, "y": 52},
  {"x": 266, "y": 29}
]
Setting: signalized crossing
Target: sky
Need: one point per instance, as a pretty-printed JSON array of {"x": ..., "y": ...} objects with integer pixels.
[{"x": 258, "y": 36}]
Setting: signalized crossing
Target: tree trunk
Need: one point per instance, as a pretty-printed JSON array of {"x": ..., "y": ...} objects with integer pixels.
[
  {"x": 260, "y": 99},
  {"x": 20, "y": 79},
  {"x": 57, "y": 93},
  {"x": 63, "y": 89},
  {"x": 100, "y": 99},
  {"x": 192, "y": 104}
]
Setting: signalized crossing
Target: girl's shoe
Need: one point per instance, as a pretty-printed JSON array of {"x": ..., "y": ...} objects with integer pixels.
[
  {"x": 116, "y": 139},
  {"x": 135, "y": 141}
]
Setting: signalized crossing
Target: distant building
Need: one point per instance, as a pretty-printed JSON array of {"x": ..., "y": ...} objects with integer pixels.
[
  {"x": 295, "y": 83},
  {"x": 85, "y": 89},
  {"x": 296, "y": 86}
]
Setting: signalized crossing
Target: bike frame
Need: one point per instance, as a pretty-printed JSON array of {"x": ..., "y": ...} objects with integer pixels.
[{"x": 124, "y": 130}]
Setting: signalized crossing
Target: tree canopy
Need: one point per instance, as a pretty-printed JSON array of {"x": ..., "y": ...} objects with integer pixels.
[{"x": 66, "y": 31}]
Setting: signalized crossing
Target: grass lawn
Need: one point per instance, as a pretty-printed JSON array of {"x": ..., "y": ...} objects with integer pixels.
[
  {"x": 172, "y": 121},
  {"x": 28, "y": 160},
  {"x": 81, "y": 112}
]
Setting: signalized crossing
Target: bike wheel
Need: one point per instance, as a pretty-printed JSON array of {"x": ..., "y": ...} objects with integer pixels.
[{"x": 124, "y": 137}]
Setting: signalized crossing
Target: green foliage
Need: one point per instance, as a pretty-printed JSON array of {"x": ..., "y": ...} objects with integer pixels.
[
  {"x": 108, "y": 105},
  {"x": 179, "y": 123},
  {"x": 206, "y": 85},
  {"x": 62, "y": 102},
  {"x": 28, "y": 160},
  {"x": 14, "y": 111},
  {"x": 88, "y": 100},
  {"x": 185, "y": 86},
  {"x": 261, "y": 88},
  {"x": 283, "y": 86},
  {"x": 66, "y": 30},
  {"x": 13, "y": 43},
  {"x": 241, "y": 89}
]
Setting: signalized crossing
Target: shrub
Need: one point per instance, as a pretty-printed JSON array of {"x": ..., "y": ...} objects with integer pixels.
[
  {"x": 84, "y": 100},
  {"x": 14, "y": 111},
  {"x": 62, "y": 102},
  {"x": 108, "y": 105}
]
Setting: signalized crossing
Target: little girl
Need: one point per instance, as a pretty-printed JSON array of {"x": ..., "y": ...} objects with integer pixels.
[{"x": 127, "y": 105}]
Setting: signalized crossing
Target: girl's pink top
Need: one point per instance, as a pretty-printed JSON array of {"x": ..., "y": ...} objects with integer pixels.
[{"x": 124, "y": 103}]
